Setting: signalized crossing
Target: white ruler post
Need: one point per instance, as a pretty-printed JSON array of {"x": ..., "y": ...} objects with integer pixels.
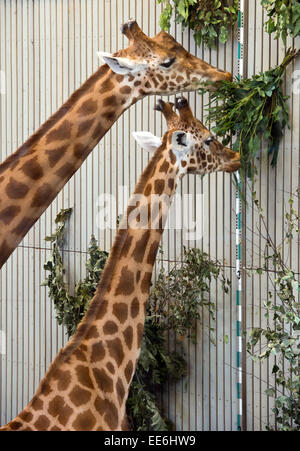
[{"x": 239, "y": 234}]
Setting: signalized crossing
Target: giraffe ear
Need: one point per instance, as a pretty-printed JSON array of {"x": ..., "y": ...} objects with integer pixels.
[
  {"x": 147, "y": 141},
  {"x": 120, "y": 65}
]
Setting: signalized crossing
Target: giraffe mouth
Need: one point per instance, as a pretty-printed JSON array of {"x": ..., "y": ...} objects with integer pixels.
[{"x": 233, "y": 166}]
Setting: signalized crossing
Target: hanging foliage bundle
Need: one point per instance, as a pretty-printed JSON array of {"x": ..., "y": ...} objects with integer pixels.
[
  {"x": 71, "y": 308},
  {"x": 284, "y": 18},
  {"x": 209, "y": 19},
  {"x": 252, "y": 110}
]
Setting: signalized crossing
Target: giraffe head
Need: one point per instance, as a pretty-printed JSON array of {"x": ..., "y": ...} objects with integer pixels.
[
  {"x": 160, "y": 65},
  {"x": 189, "y": 143}
]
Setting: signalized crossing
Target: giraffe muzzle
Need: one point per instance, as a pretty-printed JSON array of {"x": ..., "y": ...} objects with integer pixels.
[{"x": 233, "y": 165}]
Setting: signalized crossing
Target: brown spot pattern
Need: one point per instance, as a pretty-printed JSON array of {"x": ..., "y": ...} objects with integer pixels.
[
  {"x": 152, "y": 253},
  {"x": 110, "y": 115},
  {"x": 120, "y": 310},
  {"x": 115, "y": 349},
  {"x": 126, "y": 283},
  {"x": 83, "y": 376},
  {"x": 16, "y": 190},
  {"x": 126, "y": 246},
  {"x": 15, "y": 425},
  {"x": 92, "y": 333},
  {"x": 140, "y": 331},
  {"x": 45, "y": 389},
  {"x": 110, "y": 367},
  {"x": 42, "y": 196},
  {"x": 110, "y": 328},
  {"x": 125, "y": 90},
  {"x": 88, "y": 107},
  {"x": 84, "y": 422},
  {"x": 103, "y": 381},
  {"x": 32, "y": 169},
  {"x": 23, "y": 226},
  {"x": 109, "y": 412},
  {"x": 159, "y": 186},
  {"x": 42, "y": 423},
  {"x": 5, "y": 252},
  {"x": 9, "y": 213},
  {"x": 140, "y": 247},
  {"x": 84, "y": 127},
  {"x": 128, "y": 371},
  {"x": 98, "y": 352},
  {"x": 61, "y": 133},
  {"x": 120, "y": 391},
  {"x": 59, "y": 409},
  {"x": 99, "y": 131},
  {"x": 63, "y": 379},
  {"x": 135, "y": 308},
  {"x": 65, "y": 171},
  {"x": 172, "y": 156},
  {"x": 80, "y": 355},
  {"x": 79, "y": 396},
  {"x": 37, "y": 403},
  {"x": 106, "y": 86},
  {"x": 128, "y": 336},
  {"x": 145, "y": 285},
  {"x": 165, "y": 167},
  {"x": 171, "y": 184},
  {"x": 110, "y": 101},
  {"x": 102, "y": 309},
  {"x": 148, "y": 190},
  {"x": 80, "y": 151},
  {"x": 55, "y": 155},
  {"x": 26, "y": 416}
]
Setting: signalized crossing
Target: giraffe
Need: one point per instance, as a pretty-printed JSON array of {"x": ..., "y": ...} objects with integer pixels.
[
  {"x": 31, "y": 178},
  {"x": 87, "y": 385}
]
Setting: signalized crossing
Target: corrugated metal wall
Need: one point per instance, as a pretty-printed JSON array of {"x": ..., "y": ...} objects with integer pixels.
[
  {"x": 47, "y": 49},
  {"x": 274, "y": 188}
]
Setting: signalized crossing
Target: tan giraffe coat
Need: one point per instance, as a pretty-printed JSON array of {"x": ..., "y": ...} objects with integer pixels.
[
  {"x": 32, "y": 177},
  {"x": 86, "y": 387}
]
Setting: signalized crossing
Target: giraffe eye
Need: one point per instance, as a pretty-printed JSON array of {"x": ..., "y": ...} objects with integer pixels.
[
  {"x": 209, "y": 141},
  {"x": 168, "y": 63},
  {"x": 180, "y": 139}
]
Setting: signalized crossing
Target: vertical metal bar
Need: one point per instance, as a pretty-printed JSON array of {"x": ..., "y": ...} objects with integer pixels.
[{"x": 239, "y": 235}]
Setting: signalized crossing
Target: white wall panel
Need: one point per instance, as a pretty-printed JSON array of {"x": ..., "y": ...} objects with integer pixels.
[{"x": 47, "y": 50}]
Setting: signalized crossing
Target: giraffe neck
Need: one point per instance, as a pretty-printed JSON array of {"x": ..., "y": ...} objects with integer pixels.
[
  {"x": 31, "y": 178},
  {"x": 87, "y": 386}
]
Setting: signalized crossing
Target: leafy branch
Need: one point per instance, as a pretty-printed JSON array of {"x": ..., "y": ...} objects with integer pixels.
[
  {"x": 179, "y": 295},
  {"x": 70, "y": 309},
  {"x": 209, "y": 19},
  {"x": 284, "y": 18},
  {"x": 253, "y": 111}
]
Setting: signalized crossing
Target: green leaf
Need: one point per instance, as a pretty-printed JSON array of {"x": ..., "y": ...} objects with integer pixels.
[
  {"x": 209, "y": 20},
  {"x": 270, "y": 392}
]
